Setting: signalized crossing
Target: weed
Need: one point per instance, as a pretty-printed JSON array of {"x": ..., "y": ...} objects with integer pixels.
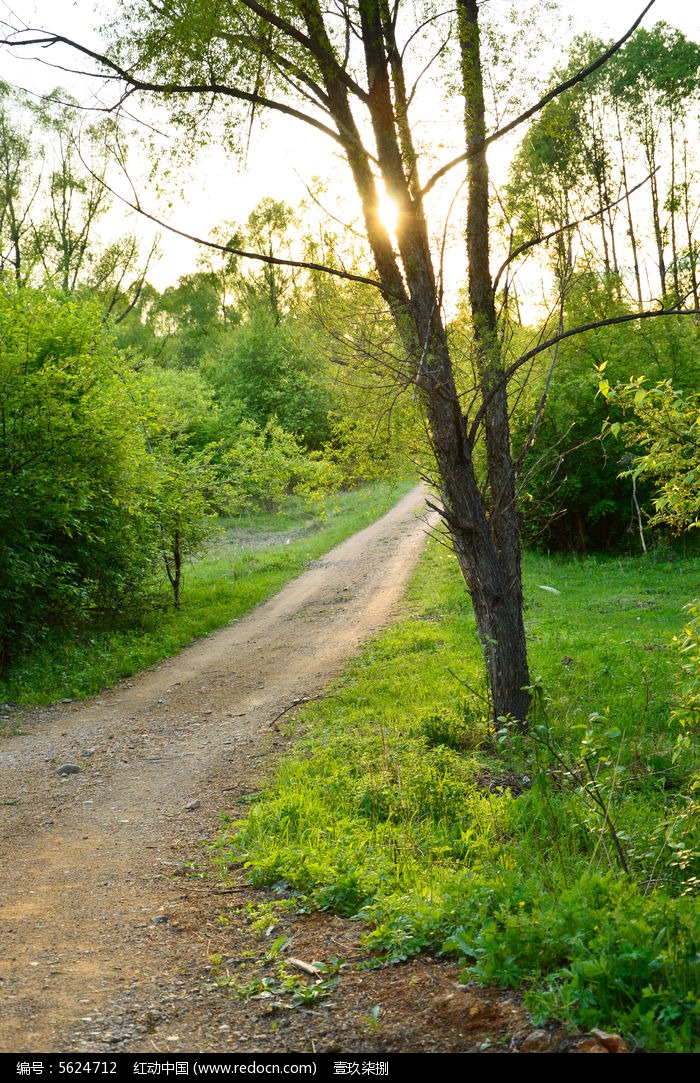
[
  {"x": 593, "y": 771},
  {"x": 10, "y": 722},
  {"x": 194, "y": 870},
  {"x": 284, "y": 988},
  {"x": 372, "y": 1020},
  {"x": 460, "y": 728}
]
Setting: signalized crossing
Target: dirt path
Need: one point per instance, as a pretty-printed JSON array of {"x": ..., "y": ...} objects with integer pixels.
[{"x": 104, "y": 943}]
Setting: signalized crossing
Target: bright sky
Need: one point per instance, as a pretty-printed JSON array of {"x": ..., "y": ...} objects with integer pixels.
[{"x": 284, "y": 156}]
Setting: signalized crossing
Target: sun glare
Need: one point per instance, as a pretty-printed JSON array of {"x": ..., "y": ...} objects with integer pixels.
[{"x": 388, "y": 212}]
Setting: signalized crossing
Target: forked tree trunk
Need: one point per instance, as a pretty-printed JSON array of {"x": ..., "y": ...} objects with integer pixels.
[{"x": 485, "y": 534}]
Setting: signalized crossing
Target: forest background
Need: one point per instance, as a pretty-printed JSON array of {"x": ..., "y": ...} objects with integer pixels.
[{"x": 138, "y": 422}]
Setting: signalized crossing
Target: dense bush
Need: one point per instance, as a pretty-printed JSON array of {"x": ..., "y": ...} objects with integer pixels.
[
  {"x": 576, "y": 490},
  {"x": 264, "y": 464},
  {"x": 101, "y": 490},
  {"x": 266, "y": 369},
  {"x": 70, "y": 462}
]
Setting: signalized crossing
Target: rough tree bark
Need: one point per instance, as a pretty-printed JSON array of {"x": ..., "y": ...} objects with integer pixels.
[{"x": 492, "y": 567}]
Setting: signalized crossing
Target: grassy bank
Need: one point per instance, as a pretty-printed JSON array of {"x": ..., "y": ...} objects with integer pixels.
[
  {"x": 564, "y": 860},
  {"x": 255, "y": 556}
]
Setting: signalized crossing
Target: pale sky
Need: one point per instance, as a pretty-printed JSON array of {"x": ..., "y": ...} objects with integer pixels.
[{"x": 285, "y": 155}]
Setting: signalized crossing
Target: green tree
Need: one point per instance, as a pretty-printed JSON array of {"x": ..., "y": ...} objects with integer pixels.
[
  {"x": 187, "y": 320},
  {"x": 574, "y": 494},
  {"x": 183, "y": 496},
  {"x": 548, "y": 183},
  {"x": 182, "y": 485},
  {"x": 267, "y": 230},
  {"x": 264, "y": 464},
  {"x": 271, "y": 363},
  {"x": 101, "y": 488},
  {"x": 17, "y": 192},
  {"x": 53, "y": 199},
  {"x": 353, "y": 74},
  {"x": 657, "y": 78},
  {"x": 572, "y": 184},
  {"x": 264, "y": 370},
  {"x": 76, "y": 199}
]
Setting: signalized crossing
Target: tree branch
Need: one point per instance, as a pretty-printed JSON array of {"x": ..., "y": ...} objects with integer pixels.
[
  {"x": 119, "y": 73},
  {"x": 276, "y": 261},
  {"x": 543, "y": 398},
  {"x": 543, "y": 238},
  {"x": 566, "y": 85},
  {"x": 324, "y": 56},
  {"x": 595, "y": 325}
]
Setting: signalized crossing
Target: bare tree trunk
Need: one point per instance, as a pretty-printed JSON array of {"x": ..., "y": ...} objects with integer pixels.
[
  {"x": 597, "y": 159},
  {"x": 630, "y": 220},
  {"x": 649, "y": 143},
  {"x": 605, "y": 193},
  {"x": 674, "y": 246},
  {"x": 690, "y": 216},
  {"x": 172, "y": 558}
]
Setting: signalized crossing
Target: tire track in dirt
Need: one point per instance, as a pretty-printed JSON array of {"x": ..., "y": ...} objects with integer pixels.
[{"x": 89, "y": 910}]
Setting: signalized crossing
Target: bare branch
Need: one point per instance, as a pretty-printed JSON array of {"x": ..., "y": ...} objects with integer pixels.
[
  {"x": 539, "y": 412},
  {"x": 276, "y": 261},
  {"x": 543, "y": 238},
  {"x": 595, "y": 325},
  {"x": 139, "y": 285}
]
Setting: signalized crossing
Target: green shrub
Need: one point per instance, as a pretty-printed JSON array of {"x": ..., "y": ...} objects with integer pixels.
[{"x": 71, "y": 457}]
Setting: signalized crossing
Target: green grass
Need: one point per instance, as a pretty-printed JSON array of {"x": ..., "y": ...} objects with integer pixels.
[
  {"x": 564, "y": 860},
  {"x": 256, "y": 556}
]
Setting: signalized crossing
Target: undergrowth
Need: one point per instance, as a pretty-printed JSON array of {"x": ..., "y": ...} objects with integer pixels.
[{"x": 562, "y": 860}]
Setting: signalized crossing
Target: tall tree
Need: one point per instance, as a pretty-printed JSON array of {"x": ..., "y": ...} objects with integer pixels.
[
  {"x": 18, "y": 188},
  {"x": 76, "y": 199},
  {"x": 657, "y": 78},
  {"x": 53, "y": 199},
  {"x": 353, "y": 71}
]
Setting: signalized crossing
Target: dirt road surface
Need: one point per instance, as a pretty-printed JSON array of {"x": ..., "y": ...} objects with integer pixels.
[{"x": 106, "y": 943}]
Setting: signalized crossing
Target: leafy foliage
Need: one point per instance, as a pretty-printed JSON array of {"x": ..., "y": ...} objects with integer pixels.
[
  {"x": 665, "y": 423},
  {"x": 576, "y": 487},
  {"x": 53, "y": 200},
  {"x": 266, "y": 369},
  {"x": 265, "y": 464},
  {"x": 97, "y": 482},
  {"x": 688, "y": 643},
  {"x": 70, "y": 459}
]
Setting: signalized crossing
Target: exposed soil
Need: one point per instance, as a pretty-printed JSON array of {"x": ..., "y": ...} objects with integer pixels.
[{"x": 109, "y": 938}]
